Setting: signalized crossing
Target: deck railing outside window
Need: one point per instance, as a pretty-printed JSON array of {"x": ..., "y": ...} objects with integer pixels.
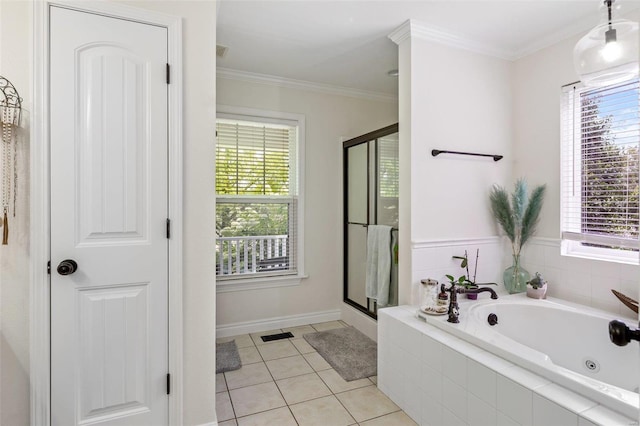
[{"x": 245, "y": 255}]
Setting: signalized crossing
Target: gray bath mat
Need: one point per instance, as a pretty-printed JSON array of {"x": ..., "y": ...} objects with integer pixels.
[
  {"x": 227, "y": 357},
  {"x": 352, "y": 354}
]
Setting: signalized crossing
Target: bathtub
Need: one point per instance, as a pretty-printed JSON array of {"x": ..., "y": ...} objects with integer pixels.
[{"x": 564, "y": 342}]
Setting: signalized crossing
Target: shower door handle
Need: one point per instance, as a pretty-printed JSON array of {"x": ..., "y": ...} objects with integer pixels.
[{"x": 620, "y": 334}]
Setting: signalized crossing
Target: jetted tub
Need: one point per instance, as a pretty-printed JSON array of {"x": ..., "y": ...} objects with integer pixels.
[{"x": 561, "y": 341}]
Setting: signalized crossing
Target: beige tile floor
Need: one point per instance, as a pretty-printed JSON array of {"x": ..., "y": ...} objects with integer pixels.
[{"x": 287, "y": 382}]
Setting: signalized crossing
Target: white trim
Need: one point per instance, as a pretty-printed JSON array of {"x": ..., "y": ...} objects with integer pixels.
[
  {"x": 244, "y": 284},
  {"x": 253, "y": 114},
  {"x": 39, "y": 195},
  {"x": 39, "y": 297},
  {"x": 212, "y": 423},
  {"x": 543, "y": 241},
  {"x": 455, "y": 242},
  {"x": 414, "y": 29},
  {"x": 289, "y": 83},
  {"x": 256, "y": 326}
]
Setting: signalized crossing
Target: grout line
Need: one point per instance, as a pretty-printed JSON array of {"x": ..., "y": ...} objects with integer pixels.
[{"x": 334, "y": 394}]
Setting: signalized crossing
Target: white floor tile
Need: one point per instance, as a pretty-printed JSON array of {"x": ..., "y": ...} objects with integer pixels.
[
  {"x": 329, "y": 325},
  {"x": 248, "y": 375},
  {"x": 316, "y": 361},
  {"x": 337, "y": 384},
  {"x": 278, "y": 349},
  {"x": 282, "y": 368},
  {"x": 302, "y": 388},
  {"x": 367, "y": 403},
  {"x": 321, "y": 412},
  {"x": 279, "y": 416},
  {"x": 224, "y": 409},
  {"x": 255, "y": 399},
  {"x": 394, "y": 419},
  {"x": 249, "y": 355}
]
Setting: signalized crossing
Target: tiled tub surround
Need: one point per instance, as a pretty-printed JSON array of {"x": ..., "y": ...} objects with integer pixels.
[
  {"x": 439, "y": 379},
  {"x": 584, "y": 281}
]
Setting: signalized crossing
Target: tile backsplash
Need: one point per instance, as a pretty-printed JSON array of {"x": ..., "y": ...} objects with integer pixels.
[{"x": 584, "y": 281}]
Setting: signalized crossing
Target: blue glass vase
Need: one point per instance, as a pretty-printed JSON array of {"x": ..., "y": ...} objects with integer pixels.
[{"x": 516, "y": 277}]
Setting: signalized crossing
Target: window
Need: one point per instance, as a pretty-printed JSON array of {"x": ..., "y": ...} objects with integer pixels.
[
  {"x": 258, "y": 199},
  {"x": 599, "y": 176}
]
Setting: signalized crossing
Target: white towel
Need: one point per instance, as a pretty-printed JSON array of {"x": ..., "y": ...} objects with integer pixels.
[{"x": 378, "y": 272}]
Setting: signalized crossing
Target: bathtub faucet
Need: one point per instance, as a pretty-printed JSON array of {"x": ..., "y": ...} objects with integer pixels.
[
  {"x": 454, "y": 309},
  {"x": 478, "y": 290}
]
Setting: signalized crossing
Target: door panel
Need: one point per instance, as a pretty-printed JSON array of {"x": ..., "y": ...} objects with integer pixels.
[
  {"x": 112, "y": 144},
  {"x": 109, "y": 319}
]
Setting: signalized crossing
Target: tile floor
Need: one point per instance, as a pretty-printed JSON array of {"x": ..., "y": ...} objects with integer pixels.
[{"x": 287, "y": 382}]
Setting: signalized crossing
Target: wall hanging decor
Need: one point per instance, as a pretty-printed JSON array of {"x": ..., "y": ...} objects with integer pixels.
[{"x": 10, "y": 112}]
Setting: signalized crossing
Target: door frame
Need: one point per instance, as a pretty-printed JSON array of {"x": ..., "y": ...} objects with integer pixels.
[{"x": 40, "y": 237}]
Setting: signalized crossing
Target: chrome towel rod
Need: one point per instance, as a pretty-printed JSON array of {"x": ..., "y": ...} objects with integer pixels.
[{"x": 436, "y": 152}]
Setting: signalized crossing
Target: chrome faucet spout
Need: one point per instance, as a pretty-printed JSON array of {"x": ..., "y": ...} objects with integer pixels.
[{"x": 494, "y": 295}]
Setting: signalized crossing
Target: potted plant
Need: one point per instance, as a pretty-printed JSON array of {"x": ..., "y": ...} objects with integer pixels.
[
  {"x": 517, "y": 215},
  {"x": 537, "y": 287},
  {"x": 468, "y": 282}
]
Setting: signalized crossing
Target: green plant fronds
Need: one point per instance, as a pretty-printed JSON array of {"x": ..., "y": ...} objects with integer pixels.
[
  {"x": 502, "y": 210},
  {"x": 519, "y": 217},
  {"x": 532, "y": 214},
  {"x": 519, "y": 201}
]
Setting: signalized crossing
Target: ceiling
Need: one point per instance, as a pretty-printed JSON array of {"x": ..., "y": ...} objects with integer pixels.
[{"x": 344, "y": 43}]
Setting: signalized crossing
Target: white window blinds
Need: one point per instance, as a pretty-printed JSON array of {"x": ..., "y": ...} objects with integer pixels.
[
  {"x": 599, "y": 166},
  {"x": 256, "y": 198}
]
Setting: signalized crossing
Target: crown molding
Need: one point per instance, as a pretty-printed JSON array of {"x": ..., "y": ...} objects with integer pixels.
[
  {"x": 272, "y": 80},
  {"x": 418, "y": 30}
]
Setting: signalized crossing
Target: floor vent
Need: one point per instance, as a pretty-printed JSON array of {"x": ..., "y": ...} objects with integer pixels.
[{"x": 278, "y": 336}]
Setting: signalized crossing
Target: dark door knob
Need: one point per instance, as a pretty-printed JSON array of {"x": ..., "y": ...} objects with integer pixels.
[
  {"x": 67, "y": 267},
  {"x": 620, "y": 334}
]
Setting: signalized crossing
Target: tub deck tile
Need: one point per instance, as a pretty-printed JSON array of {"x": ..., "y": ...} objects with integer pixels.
[
  {"x": 524, "y": 377},
  {"x": 603, "y": 416},
  {"x": 565, "y": 398}
]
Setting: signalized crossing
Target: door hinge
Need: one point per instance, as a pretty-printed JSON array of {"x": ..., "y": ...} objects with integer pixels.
[
  {"x": 168, "y": 384},
  {"x": 49, "y": 267},
  {"x": 168, "y": 228},
  {"x": 168, "y": 74}
]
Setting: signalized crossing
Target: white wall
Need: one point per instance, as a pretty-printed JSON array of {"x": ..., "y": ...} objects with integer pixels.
[
  {"x": 328, "y": 118},
  {"x": 199, "y": 24},
  {"x": 450, "y": 99},
  {"x": 15, "y": 46},
  {"x": 537, "y": 80}
]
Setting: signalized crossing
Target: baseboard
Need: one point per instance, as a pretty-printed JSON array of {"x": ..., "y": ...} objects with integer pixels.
[
  {"x": 209, "y": 424},
  {"x": 257, "y": 326}
]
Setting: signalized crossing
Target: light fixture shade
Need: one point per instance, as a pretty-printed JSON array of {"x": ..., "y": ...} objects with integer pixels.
[{"x": 602, "y": 59}]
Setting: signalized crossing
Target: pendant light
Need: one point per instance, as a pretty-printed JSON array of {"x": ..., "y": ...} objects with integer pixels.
[{"x": 608, "y": 54}]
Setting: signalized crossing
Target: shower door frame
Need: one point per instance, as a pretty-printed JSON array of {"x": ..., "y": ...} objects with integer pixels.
[{"x": 366, "y": 138}]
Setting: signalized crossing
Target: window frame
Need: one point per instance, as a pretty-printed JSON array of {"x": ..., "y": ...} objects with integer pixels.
[
  {"x": 285, "y": 278},
  {"x": 570, "y": 149}
]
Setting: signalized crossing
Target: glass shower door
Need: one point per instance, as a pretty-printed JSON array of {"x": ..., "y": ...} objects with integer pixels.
[{"x": 370, "y": 197}]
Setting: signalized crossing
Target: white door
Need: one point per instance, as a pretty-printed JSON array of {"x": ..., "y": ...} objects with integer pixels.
[{"x": 108, "y": 123}]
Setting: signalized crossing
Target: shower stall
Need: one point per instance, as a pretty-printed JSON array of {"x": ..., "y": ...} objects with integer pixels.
[{"x": 370, "y": 176}]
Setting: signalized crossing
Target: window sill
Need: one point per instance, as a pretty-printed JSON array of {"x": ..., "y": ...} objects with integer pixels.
[
  {"x": 574, "y": 249},
  {"x": 226, "y": 286}
]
